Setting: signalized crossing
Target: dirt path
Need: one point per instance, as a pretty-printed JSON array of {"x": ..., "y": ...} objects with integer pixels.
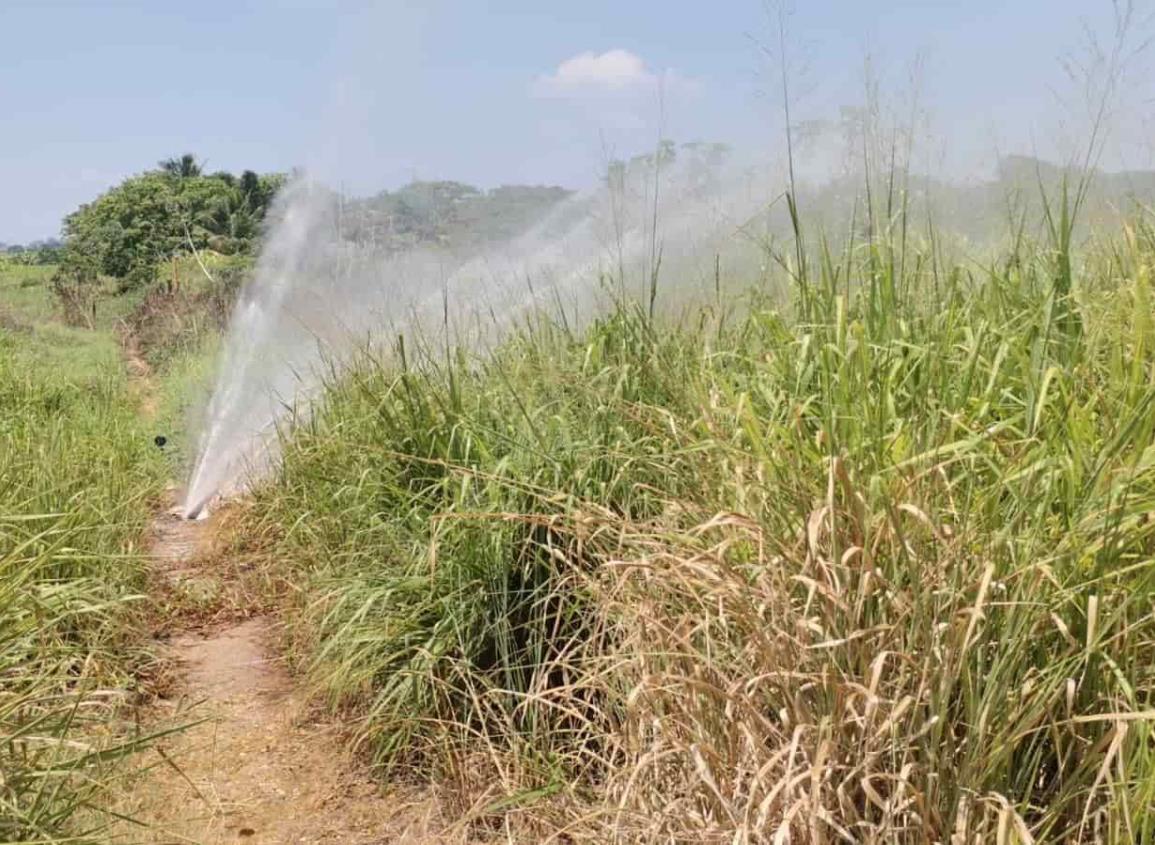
[
  {"x": 257, "y": 768},
  {"x": 139, "y": 371},
  {"x": 253, "y": 766}
]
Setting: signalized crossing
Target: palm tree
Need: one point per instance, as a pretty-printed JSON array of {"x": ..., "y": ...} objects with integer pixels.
[{"x": 184, "y": 167}]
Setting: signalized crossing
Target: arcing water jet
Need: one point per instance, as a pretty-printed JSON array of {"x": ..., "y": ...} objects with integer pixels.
[{"x": 315, "y": 298}]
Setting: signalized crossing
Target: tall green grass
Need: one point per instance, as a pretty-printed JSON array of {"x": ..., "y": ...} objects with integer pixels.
[
  {"x": 874, "y": 568},
  {"x": 77, "y": 476},
  {"x": 24, "y": 294}
]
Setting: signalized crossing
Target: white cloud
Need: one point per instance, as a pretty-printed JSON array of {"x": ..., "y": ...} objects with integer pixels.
[{"x": 612, "y": 72}]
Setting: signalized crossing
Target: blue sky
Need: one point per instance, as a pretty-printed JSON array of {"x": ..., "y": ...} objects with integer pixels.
[{"x": 371, "y": 94}]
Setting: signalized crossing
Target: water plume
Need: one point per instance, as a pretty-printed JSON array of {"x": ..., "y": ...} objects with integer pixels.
[
  {"x": 665, "y": 223},
  {"x": 316, "y": 298}
]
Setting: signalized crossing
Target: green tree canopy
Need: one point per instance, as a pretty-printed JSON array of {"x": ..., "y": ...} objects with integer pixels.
[{"x": 155, "y": 215}]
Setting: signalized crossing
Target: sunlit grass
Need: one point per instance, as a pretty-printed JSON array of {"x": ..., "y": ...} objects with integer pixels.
[
  {"x": 879, "y": 569},
  {"x": 77, "y": 480},
  {"x": 24, "y": 291}
]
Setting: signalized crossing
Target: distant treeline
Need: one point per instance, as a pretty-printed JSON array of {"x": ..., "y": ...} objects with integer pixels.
[
  {"x": 177, "y": 209},
  {"x": 446, "y": 213},
  {"x": 980, "y": 211},
  {"x": 47, "y": 251},
  {"x": 458, "y": 215}
]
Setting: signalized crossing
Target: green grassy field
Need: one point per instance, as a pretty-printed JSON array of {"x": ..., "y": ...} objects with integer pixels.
[
  {"x": 24, "y": 294},
  {"x": 78, "y": 480},
  {"x": 877, "y": 568},
  {"x": 866, "y": 556}
]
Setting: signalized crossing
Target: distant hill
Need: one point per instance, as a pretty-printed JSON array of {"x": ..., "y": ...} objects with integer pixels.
[
  {"x": 1025, "y": 170},
  {"x": 446, "y": 213},
  {"x": 979, "y": 210}
]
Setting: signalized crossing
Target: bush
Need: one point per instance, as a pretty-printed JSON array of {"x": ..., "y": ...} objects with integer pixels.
[{"x": 159, "y": 214}]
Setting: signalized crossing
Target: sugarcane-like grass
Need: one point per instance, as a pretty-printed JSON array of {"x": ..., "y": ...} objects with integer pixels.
[
  {"x": 76, "y": 483},
  {"x": 873, "y": 564}
]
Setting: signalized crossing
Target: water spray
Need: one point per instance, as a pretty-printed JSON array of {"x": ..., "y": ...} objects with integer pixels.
[{"x": 315, "y": 300}]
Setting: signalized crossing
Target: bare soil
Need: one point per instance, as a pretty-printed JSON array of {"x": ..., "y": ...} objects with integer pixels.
[
  {"x": 140, "y": 372},
  {"x": 254, "y": 766}
]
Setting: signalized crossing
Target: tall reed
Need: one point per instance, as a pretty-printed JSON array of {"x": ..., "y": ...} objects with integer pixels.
[{"x": 877, "y": 569}]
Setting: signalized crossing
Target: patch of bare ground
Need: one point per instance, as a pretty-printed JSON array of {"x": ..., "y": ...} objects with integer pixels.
[
  {"x": 139, "y": 371},
  {"x": 253, "y": 763},
  {"x": 242, "y": 758}
]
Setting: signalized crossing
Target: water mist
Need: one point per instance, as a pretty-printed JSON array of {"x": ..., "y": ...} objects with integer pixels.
[{"x": 315, "y": 298}]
